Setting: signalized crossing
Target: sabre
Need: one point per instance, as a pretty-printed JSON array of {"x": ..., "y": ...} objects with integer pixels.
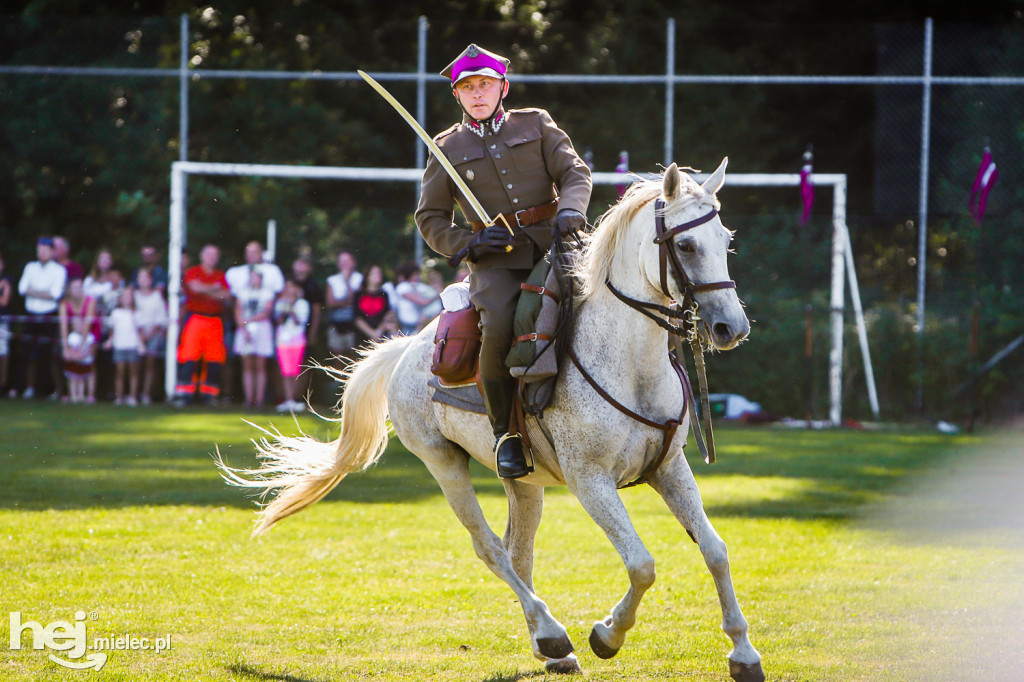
[{"x": 438, "y": 154}]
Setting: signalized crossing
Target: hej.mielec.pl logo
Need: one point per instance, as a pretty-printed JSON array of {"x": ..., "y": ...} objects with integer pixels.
[{"x": 71, "y": 638}]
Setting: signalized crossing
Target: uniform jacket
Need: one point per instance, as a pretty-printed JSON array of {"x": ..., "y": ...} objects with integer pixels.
[{"x": 529, "y": 162}]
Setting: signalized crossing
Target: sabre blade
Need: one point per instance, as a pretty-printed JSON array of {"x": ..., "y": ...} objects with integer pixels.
[{"x": 435, "y": 150}]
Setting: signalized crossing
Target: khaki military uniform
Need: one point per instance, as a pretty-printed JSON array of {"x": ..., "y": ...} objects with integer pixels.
[{"x": 527, "y": 163}]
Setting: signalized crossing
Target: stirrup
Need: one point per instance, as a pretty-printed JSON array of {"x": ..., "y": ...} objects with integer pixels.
[{"x": 511, "y": 469}]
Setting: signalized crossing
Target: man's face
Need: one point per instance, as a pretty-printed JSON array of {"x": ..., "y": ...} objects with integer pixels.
[
  {"x": 148, "y": 255},
  {"x": 480, "y": 95},
  {"x": 253, "y": 253},
  {"x": 60, "y": 248},
  {"x": 346, "y": 262},
  {"x": 44, "y": 253},
  {"x": 209, "y": 256}
]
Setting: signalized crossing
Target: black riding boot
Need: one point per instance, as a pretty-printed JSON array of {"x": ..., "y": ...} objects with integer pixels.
[{"x": 508, "y": 449}]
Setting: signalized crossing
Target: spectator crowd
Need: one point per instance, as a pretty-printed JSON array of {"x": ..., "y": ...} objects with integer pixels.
[{"x": 246, "y": 333}]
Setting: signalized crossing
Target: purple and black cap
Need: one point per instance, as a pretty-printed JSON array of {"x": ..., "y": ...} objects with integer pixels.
[{"x": 476, "y": 61}]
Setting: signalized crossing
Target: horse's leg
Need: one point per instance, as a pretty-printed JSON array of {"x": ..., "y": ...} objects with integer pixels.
[
  {"x": 525, "y": 504},
  {"x": 674, "y": 482},
  {"x": 451, "y": 470},
  {"x": 598, "y": 495}
]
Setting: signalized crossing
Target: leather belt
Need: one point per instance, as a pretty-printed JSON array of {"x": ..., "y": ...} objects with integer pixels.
[{"x": 528, "y": 216}]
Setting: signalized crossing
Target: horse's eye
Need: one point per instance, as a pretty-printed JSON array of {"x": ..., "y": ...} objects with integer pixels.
[{"x": 686, "y": 247}]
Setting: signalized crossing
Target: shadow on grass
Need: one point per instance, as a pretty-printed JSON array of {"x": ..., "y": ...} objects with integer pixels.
[
  {"x": 253, "y": 673},
  {"x": 74, "y": 457},
  {"x": 101, "y": 456}
]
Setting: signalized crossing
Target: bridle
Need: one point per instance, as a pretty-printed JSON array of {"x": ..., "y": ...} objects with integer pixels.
[{"x": 686, "y": 311}]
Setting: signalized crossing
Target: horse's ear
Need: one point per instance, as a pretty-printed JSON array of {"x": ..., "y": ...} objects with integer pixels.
[
  {"x": 670, "y": 186},
  {"x": 716, "y": 179}
]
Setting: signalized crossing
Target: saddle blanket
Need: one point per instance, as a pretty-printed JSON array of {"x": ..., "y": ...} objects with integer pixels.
[{"x": 463, "y": 397}]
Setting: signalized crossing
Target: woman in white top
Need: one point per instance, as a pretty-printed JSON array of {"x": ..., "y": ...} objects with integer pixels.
[
  {"x": 341, "y": 289},
  {"x": 254, "y": 338},
  {"x": 151, "y": 316},
  {"x": 103, "y": 282}
]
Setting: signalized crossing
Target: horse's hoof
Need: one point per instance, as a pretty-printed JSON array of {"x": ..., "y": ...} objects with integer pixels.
[
  {"x": 600, "y": 649},
  {"x": 554, "y": 647},
  {"x": 564, "y": 666},
  {"x": 746, "y": 672}
]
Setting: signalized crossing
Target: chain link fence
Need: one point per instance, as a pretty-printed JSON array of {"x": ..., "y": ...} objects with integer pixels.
[{"x": 92, "y": 122}]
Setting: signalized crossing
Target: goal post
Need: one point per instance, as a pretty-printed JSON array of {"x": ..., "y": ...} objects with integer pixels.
[{"x": 841, "y": 268}]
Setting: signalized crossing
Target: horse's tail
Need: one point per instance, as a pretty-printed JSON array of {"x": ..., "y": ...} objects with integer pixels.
[{"x": 302, "y": 470}]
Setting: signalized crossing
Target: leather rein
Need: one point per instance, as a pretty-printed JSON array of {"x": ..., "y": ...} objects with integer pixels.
[{"x": 687, "y": 313}]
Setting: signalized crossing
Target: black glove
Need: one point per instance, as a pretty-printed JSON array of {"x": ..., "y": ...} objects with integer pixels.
[
  {"x": 569, "y": 220},
  {"x": 491, "y": 240}
]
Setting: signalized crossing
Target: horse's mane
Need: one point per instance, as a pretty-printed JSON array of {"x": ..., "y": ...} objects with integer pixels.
[{"x": 602, "y": 245}]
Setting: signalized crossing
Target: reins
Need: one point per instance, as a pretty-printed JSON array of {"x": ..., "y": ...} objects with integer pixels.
[{"x": 667, "y": 428}]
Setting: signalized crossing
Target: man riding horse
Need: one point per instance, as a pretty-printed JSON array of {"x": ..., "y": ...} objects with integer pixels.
[{"x": 521, "y": 165}]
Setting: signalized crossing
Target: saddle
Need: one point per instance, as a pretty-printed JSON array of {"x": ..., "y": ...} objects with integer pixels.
[{"x": 532, "y": 358}]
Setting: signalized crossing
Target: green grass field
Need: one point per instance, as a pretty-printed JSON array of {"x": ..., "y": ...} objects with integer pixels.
[{"x": 889, "y": 555}]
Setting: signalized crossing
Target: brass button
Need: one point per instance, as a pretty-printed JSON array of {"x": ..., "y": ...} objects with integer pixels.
[
  {"x": 515, "y": 201},
  {"x": 509, "y": 185}
]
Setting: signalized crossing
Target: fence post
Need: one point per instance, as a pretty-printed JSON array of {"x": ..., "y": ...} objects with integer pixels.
[
  {"x": 183, "y": 115},
  {"x": 670, "y": 88},
  {"x": 421, "y": 118},
  {"x": 922, "y": 215}
]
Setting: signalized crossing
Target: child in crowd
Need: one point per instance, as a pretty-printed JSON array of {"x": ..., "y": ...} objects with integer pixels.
[
  {"x": 79, "y": 351},
  {"x": 291, "y": 312},
  {"x": 79, "y": 333},
  {"x": 151, "y": 316},
  {"x": 254, "y": 337},
  {"x": 126, "y": 342}
]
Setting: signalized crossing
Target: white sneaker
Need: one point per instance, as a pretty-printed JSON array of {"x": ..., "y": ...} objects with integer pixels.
[
  {"x": 286, "y": 406},
  {"x": 29, "y": 393},
  {"x": 146, "y": 400},
  {"x": 298, "y": 406},
  {"x": 130, "y": 401}
]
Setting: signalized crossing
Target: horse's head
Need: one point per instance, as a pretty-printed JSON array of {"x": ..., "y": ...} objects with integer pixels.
[{"x": 686, "y": 257}]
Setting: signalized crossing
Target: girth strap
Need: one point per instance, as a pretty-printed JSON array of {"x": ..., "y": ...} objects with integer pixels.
[{"x": 667, "y": 428}]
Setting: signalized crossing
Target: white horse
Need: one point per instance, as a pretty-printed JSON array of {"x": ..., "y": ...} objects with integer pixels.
[{"x": 597, "y": 447}]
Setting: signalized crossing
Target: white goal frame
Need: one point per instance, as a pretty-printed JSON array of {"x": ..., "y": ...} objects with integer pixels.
[{"x": 842, "y": 256}]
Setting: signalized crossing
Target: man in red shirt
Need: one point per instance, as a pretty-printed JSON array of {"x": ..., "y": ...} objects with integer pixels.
[{"x": 202, "y": 339}]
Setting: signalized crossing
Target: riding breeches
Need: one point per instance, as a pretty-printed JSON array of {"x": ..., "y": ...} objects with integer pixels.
[{"x": 495, "y": 294}]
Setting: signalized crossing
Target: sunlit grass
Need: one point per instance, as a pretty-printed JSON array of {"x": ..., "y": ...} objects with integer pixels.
[{"x": 121, "y": 513}]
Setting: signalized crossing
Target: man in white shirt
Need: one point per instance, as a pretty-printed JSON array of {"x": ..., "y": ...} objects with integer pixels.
[
  {"x": 42, "y": 284},
  {"x": 238, "y": 280},
  {"x": 238, "y": 275}
]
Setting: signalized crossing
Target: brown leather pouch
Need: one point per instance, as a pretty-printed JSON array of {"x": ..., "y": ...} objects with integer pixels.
[{"x": 457, "y": 346}]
